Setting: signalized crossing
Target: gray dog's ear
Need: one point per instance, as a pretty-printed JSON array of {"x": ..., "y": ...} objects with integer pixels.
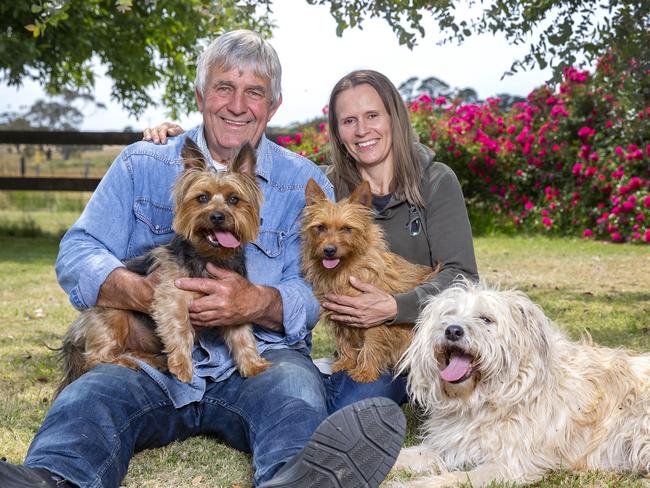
[
  {"x": 192, "y": 156},
  {"x": 533, "y": 319}
]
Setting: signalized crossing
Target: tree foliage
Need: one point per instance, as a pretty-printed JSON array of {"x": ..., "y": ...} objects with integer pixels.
[
  {"x": 141, "y": 44},
  {"x": 559, "y": 33}
]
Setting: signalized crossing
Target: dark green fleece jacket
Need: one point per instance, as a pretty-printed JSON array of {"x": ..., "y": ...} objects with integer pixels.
[{"x": 445, "y": 236}]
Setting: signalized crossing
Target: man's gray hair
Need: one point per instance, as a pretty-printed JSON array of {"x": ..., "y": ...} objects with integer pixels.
[{"x": 245, "y": 50}]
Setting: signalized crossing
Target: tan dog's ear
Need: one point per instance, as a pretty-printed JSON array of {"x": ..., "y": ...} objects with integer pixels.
[
  {"x": 314, "y": 193},
  {"x": 245, "y": 161},
  {"x": 362, "y": 194},
  {"x": 192, "y": 156}
]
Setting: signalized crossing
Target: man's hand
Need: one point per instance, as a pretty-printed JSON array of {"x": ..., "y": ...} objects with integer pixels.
[
  {"x": 373, "y": 307},
  {"x": 230, "y": 299},
  {"x": 126, "y": 290}
]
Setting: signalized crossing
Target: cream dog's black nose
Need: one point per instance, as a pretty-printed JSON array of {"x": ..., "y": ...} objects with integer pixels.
[{"x": 454, "y": 333}]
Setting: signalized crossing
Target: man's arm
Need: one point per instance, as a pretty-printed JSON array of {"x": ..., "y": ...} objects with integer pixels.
[
  {"x": 126, "y": 290},
  {"x": 92, "y": 248}
]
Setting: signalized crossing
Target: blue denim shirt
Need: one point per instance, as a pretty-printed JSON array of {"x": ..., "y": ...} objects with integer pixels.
[{"x": 132, "y": 210}]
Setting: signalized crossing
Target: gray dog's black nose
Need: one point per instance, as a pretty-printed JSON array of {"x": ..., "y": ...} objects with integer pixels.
[
  {"x": 454, "y": 333},
  {"x": 329, "y": 251}
]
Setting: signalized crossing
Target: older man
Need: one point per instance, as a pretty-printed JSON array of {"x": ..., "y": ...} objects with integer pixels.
[{"x": 101, "y": 419}]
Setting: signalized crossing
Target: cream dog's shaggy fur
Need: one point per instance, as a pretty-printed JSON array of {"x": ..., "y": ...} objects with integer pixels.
[{"x": 508, "y": 397}]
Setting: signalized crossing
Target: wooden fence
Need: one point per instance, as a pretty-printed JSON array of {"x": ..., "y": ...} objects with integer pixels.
[{"x": 66, "y": 138}]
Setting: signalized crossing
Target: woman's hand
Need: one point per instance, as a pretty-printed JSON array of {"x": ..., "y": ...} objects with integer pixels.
[
  {"x": 159, "y": 134},
  {"x": 373, "y": 307}
]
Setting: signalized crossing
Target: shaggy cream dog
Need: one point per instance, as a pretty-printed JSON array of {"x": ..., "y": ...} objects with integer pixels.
[{"x": 507, "y": 397}]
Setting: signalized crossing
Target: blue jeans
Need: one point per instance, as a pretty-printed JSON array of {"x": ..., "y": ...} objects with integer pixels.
[
  {"x": 98, "y": 422},
  {"x": 343, "y": 390}
]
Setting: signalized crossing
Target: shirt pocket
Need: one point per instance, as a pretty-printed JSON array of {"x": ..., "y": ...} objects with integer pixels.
[
  {"x": 157, "y": 217},
  {"x": 265, "y": 258},
  {"x": 269, "y": 242}
]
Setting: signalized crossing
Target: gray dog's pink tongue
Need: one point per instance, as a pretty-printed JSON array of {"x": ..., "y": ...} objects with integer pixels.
[
  {"x": 227, "y": 239},
  {"x": 458, "y": 367}
]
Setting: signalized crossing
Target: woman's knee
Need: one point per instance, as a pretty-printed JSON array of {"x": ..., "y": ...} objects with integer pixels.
[{"x": 293, "y": 375}]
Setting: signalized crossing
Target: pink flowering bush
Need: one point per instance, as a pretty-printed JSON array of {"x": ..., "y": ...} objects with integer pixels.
[{"x": 571, "y": 161}]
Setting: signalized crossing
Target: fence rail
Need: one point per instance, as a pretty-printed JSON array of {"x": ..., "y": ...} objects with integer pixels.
[{"x": 68, "y": 138}]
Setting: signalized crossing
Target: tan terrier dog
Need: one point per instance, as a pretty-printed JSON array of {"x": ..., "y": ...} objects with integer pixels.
[
  {"x": 216, "y": 213},
  {"x": 341, "y": 240}
]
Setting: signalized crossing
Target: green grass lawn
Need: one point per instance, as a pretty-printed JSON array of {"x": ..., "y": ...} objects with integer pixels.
[{"x": 598, "y": 287}]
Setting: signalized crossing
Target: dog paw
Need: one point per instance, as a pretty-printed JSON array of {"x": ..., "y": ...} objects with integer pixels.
[
  {"x": 364, "y": 375},
  {"x": 343, "y": 365},
  {"x": 181, "y": 368},
  {"x": 252, "y": 368}
]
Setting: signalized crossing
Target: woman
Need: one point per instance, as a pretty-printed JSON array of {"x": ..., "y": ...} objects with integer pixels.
[{"x": 417, "y": 201}]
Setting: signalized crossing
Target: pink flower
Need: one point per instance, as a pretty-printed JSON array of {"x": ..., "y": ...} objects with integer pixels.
[
  {"x": 559, "y": 110},
  {"x": 628, "y": 206},
  {"x": 440, "y": 100},
  {"x": 425, "y": 99},
  {"x": 616, "y": 237},
  {"x": 528, "y": 205},
  {"x": 326, "y": 109},
  {"x": 646, "y": 201},
  {"x": 547, "y": 222},
  {"x": 646, "y": 236},
  {"x": 586, "y": 132},
  {"x": 587, "y": 233}
]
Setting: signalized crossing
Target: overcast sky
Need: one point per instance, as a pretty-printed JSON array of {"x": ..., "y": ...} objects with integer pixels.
[{"x": 313, "y": 59}]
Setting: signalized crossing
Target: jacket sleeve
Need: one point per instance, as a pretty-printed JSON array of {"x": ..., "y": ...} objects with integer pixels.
[
  {"x": 450, "y": 243},
  {"x": 95, "y": 244}
]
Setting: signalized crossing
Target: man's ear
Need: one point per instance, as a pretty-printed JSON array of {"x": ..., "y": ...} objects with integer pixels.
[
  {"x": 199, "y": 99},
  {"x": 275, "y": 108}
]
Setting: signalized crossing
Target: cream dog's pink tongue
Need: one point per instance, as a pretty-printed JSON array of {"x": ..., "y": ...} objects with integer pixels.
[
  {"x": 226, "y": 239},
  {"x": 331, "y": 263},
  {"x": 459, "y": 366}
]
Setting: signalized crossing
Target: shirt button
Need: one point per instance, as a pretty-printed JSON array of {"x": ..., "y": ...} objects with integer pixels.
[{"x": 157, "y": 227}]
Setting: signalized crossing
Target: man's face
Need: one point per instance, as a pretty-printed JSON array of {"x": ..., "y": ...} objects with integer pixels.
[{"x": 236, "y": 107}]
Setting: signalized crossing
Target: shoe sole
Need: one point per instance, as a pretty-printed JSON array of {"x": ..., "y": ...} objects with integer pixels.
[{"x": 354, "y": 447}]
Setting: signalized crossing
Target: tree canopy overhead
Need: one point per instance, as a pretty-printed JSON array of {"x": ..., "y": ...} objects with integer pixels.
[
  {"x": 141, "y": 44},
  {"x": 148, "y": 44},
  {"x": 559, "y": 33}
]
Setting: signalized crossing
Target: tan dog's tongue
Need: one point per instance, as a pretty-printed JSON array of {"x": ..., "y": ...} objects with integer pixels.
[
  {"x": 458, "y": 367},
  {"x": 331, "y": 263},
  {"x": 226, "y": 239}
]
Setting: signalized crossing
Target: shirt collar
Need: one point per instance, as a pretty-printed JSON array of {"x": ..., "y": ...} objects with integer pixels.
[{"x": 264, "y": 160}]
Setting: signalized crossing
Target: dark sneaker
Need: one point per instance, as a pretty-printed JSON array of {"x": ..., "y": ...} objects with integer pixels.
[
  {"x": 15, "y": 476},
  {"x": 353, "y": 448}
]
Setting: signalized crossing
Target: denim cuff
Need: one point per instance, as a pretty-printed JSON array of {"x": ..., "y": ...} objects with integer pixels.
[
  {"x": 294, "y": 313},
  {"x": 84, "y": 295}
]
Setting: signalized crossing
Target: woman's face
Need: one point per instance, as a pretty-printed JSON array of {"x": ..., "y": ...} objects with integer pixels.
[{"x": 364, "y": 125}]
